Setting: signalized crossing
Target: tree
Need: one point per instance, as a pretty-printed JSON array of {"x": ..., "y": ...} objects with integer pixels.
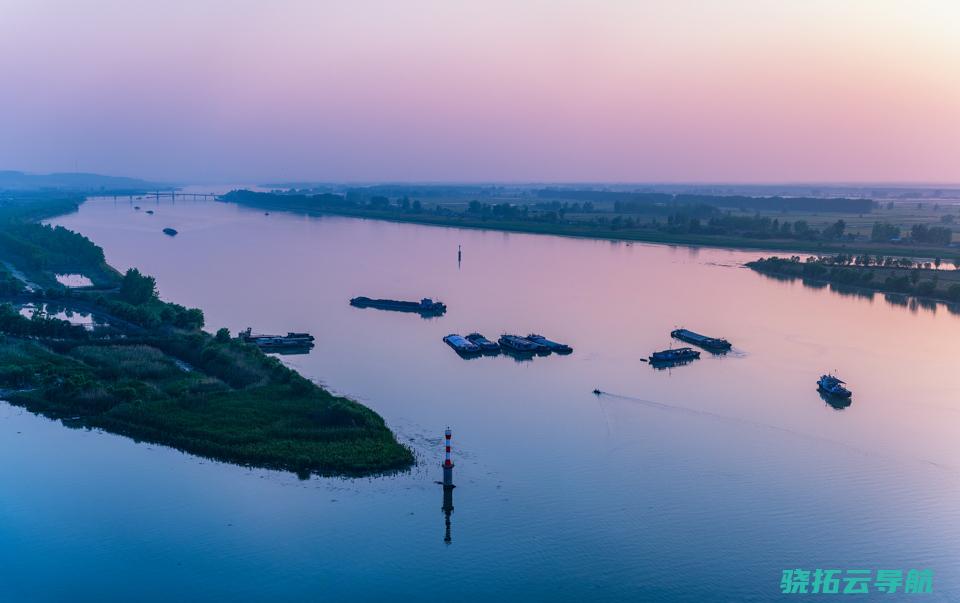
[
  {"x": 137, "y": 288},
  {"x": 883, "y": 231},
  {"x": 223, "y": 335}
]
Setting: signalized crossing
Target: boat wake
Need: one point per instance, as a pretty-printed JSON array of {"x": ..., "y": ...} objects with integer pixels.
[{"x": 738, "y": 420}]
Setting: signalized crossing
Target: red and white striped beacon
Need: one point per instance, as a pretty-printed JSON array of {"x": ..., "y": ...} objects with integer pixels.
[{"x": 447, "y": 463}]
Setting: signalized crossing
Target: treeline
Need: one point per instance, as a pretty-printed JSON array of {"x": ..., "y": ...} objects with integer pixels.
[
  {"x": 708, "y": 220},
  {"x": 919, "y": 233},
  {"x": 44, "y": 247},
  {"x": 296, "y": 201},
  {"x": 640, "y": 202},
  {"x": 136, "y": 301}
]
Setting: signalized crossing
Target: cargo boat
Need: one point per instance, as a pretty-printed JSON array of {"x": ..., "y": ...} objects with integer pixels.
[
  {"x": 515, "y": 343},
  {"x": 710, "y": 343},
  {"x": 553, "y": 346},
  {"x": 277, "y": 342},
  {"x": 674, "y": 356},
  {"x": 425, "y": 306},
  {"x": 833, "y": 386},
  {"x": 461, "y": 344},
  {"x": 485, "y": 345}
]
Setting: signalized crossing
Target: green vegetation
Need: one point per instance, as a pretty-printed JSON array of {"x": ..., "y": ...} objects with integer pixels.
[
  {"x": 879, "y": 273},
  {"x": 154, "y": 375},
  {"x": 818, "y": 225}
]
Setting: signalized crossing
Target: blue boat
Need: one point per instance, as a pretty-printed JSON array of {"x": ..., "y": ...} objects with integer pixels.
[
  {"x": 833, "y": 386},
  {"x": 553, "y": 346},
  {"x": 461, "y": 344},
  {"x": 676, "y": 355}
]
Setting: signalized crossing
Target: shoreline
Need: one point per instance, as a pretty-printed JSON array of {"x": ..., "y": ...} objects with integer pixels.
[
  {"x": 234, "y": 403},
  {"x": 736, "y": 243}
]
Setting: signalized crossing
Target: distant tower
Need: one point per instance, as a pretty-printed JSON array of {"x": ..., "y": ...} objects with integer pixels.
[
  {"x": 448, "y": 487},
  {"x": 447, "y": 463}
]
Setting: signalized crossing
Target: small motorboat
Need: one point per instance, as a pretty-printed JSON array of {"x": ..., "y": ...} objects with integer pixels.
[
  {"x": 833, "y": 386},
  {"x": 170, "y": 232},
  {"x": 674, "y": 355},
  {"x": 597, "y": 392},
  {"x": 485, "y": 345}
]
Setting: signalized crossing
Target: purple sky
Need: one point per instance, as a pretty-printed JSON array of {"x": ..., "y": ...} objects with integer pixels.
[{"x": 243, "y": 91}]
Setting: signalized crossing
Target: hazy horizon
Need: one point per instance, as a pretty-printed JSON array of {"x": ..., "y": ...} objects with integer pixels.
[{"x": 746, "y": 92}]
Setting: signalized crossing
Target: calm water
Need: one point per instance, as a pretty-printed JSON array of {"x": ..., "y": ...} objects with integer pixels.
[{"x": 699, "y": 483}]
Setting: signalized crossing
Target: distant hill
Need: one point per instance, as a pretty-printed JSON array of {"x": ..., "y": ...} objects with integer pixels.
[{"x": 75, "y": 182}]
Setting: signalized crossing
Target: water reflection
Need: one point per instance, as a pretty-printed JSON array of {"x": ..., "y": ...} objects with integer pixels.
[
  {"x": 913, "y": 304},
  {"x": 447, "y": 509},
  {"x": 835, "y": 402}
]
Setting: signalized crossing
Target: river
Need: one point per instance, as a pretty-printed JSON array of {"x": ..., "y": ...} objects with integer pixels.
[{"x": 703, "y": 482}]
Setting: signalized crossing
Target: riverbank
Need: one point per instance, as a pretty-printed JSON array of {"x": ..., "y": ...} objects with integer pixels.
[
  {"x": 887, "y": 275},
  {"x": 154, "y": 375},
  {"x": 760, "y": 233}
]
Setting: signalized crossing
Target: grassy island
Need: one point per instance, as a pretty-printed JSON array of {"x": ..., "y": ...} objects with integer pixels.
[
  {"x": 152, "y": 373},
  {"x": 928, "y": 280}
]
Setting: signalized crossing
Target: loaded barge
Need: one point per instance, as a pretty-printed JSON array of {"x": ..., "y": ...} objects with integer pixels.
[
  {"x": 515, "y": 343},
  {"x": 425, "y": 307},
  {"x": 675, "y": 356},
  {"x": 711, "y": 343},
  {"x": 462, "y": 345},
  {"x": 553, "y": 346},
  {"x": 486, "y": 346},
  {"x": 290, "y": 341}
]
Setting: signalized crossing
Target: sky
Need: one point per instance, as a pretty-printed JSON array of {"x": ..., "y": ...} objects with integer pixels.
[{"x": 510, "y": 91}]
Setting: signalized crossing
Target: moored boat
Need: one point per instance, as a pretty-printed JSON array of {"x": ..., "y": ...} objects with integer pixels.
[
  {"x": 515, "y": 343},
  {"x": 674, "y": 355},
  {"x": 553, "y": 346},
  {"x": 425, "y": 306},
  {"x": 833, "y": 386},
  {"x": 461, "y": 344},
  {"x": 272, "y": 342},
  {"x": 710, "y": 343},
  {"x": 483, "y": 343}
]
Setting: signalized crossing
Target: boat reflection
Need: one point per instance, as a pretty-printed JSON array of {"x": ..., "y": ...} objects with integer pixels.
[{"x": 835, "y": 402}]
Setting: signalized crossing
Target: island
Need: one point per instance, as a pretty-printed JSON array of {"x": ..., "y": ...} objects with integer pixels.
[
  {"x": 893, "y": 275},
  {"x": 149, "y": 371}
]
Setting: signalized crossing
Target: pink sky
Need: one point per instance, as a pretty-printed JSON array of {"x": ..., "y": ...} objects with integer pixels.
[{"x": 243, "y": 91}]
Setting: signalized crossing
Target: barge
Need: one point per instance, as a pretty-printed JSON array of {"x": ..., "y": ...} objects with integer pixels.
[
  {"x": 486, "y": 346},
  {"x": 461, "y": 345},
  {"x": 553, "y": 346},
  {"x": 711, "y": 343},
  {"x": 515, "y": 343},
  {"x": 674, "y": 356},
  {"x": 425, "y": 306},
  {"x": 290, "y": 341}
]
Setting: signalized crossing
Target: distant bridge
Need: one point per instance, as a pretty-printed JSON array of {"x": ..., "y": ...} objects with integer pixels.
[{"x": 173, "y": 195}]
